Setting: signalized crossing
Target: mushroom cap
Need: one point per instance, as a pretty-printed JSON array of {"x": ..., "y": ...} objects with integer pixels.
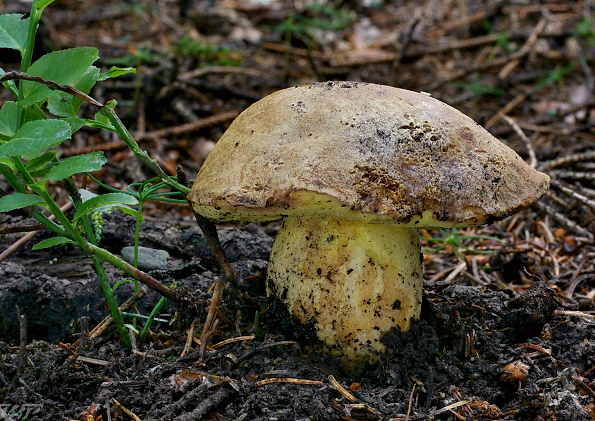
[{"x": 364, "y": 152}]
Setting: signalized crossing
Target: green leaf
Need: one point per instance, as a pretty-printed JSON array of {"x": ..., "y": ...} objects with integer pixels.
[
  {"x": 101, "y": 118},
  {"x": 42, "y": 4},
  {"x": 35, "y": 137},
  {"x": 39, "y": 186},
  {"x": 86, "y": 195},
  {"x": 76, "y": 164},
  {"x": 41, "y": 162},
  {"x": 103, "y": 200},
  {"x": 120, "y": 283},
  {"x": 9, "y": 84},
  {"x": 7, "y": 162},
  {"x": 18, "y": 201},
  {"x": 131, "y": 327},
  {"x": 123, "y": 208},
  {"x": 115, "y": 72},
  {"x": 13, "y": 31},
  {"x": 65, "y": 105},
  {"x": 75, "y": 123},
  {"x": 8, "y": 118},
  {"x": 33, "y": 113},
  {"x": 51, "y": 242},
  {"x": 63, "y": 67},
  {"x": 103, "y": 124}
]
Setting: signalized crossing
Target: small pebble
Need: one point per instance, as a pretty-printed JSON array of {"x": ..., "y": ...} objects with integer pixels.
[{"x": 148, "y": 259}]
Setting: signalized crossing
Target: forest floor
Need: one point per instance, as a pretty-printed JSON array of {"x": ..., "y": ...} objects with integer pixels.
[{"x": 507, "y": 329}]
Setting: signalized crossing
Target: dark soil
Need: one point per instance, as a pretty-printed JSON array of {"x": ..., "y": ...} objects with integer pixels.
[
  {"x": 456, "y": 353},
  {"x": 507, "y": 335}
]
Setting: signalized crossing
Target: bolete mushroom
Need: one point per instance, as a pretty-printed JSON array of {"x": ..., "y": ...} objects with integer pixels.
[{"x": 353, "y": 169}]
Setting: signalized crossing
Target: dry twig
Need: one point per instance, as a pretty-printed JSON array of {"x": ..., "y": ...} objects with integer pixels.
[
  {"x": 524, "y": 138},
  {"x": 288, "y": 380},
  {"x": 122, "y": 408},
  {"x": 27, "y": 237},
  {"x": 341, "y": 389}
]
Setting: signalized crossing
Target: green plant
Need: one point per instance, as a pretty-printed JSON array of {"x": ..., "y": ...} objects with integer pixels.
[
  {"x": 586, "y": 29},
  {"x": 479, "y": 89},
  {"x": 207, "y": 54},
  {"x": 556, "y": 76},
  {"x": 454, "y": 239},
  {"x": 315, "y": 16},
  {"x": 304, "y": 25},
  {"x": 151, "y": 189},
  {"x": 49, "y": 93},
  {"x": 501, "y": 42}
]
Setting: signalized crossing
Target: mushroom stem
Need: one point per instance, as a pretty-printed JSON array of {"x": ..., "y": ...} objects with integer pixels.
[{"x": 353, "y": 281}]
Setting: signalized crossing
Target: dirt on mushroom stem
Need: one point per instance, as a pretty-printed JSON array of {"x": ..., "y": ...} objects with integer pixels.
[{"x": 352, "y": 281}]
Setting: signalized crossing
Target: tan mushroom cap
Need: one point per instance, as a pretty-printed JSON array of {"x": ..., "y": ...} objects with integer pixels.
[{"x": 364, "y": 152}]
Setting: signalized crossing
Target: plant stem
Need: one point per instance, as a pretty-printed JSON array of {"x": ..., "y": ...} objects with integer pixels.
[
  {"x": 27, "y": 56},
  {"x": 108, "y": 293},
  {"x": 12, "y": 179},
  {"x": 138, "y": 274},
  {"x": 68, "y": 229},
  {"x": 18, "y": 186},
  {"x": 138, "y": 152},
  {"x": 34, "y": 18},
  {"x": 136, "y": 238},
  {"x": 150, "y": 319}
]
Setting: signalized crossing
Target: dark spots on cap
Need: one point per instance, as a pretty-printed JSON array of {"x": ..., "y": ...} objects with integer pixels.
[
  {"x": 384, "y": 135},
  {"x": 245, "y": 200},
  {"x": 441, "y": 215},
  {"x": 466, "y": 134},
  {"x": 319, "y": 183}
]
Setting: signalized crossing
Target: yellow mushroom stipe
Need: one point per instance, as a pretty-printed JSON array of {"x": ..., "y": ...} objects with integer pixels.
[{"x": 352, "y": 280}]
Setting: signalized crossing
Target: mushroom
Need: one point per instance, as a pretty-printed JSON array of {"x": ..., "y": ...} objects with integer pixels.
[{"x": 353, "y": 170}]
